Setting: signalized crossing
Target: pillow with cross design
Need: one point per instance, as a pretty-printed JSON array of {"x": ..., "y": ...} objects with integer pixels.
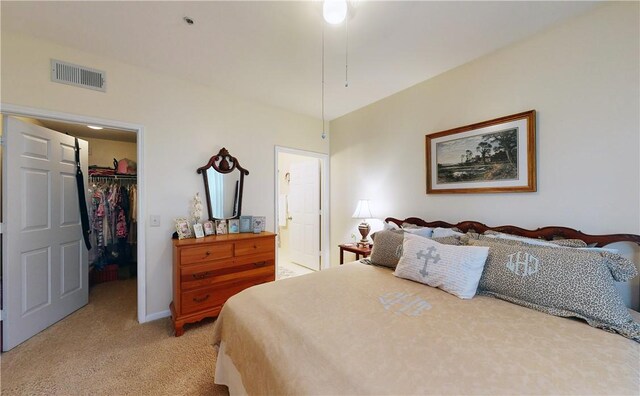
[{"x": 454, "y": 269}]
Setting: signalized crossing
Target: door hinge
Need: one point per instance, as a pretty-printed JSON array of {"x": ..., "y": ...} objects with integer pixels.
[
  {"x": 3, "y": 315},
  {"x": 1, "y": 141},
  {"x": 1, "y": 228}
]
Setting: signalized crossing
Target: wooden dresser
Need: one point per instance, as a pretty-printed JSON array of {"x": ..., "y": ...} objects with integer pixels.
[{"x": 207, "y": 271}]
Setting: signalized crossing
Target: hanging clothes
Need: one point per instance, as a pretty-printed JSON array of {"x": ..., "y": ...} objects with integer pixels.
[{"x": 111, "y": 220}]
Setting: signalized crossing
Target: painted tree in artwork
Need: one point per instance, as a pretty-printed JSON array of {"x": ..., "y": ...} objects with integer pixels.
[
  {"x": 469, "y": 155},
  {"x": 484, "y": 148},
  {"x": 505, "y": 142}
]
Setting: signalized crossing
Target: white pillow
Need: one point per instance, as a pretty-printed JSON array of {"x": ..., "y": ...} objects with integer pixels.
[
  {"x": 390, "y": 226},
  {"x": 445, "y": 232},
  {"x": 454, "y": 269},
  {"x": 424, "y": 232}
]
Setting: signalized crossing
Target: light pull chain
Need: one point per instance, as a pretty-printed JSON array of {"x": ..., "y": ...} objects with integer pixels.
[
  {"x": 346, "y": 52},
  {"x": 324, "y": 134}
]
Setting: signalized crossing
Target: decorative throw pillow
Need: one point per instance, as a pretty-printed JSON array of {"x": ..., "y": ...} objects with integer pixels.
[
  {"x": 559, "y": 281},
  {"x": 454, "y": 269},
  {"x": 387, "y": 248},
  {"x": 577, "y": 243}
]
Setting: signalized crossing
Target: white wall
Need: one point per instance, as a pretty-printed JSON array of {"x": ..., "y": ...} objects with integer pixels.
[
  {"x": 102, "y": 151},
  {"x": 582, "y": 77},
  {"x": 184, "y": 123}
]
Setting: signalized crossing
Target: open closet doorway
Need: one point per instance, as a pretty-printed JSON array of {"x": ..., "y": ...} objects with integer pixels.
[
  {"x": 116, "y": 261},
  {"x": 301, "y": 212}
]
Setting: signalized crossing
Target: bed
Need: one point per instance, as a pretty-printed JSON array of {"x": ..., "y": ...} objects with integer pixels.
[{"x": 357, "y": 329}]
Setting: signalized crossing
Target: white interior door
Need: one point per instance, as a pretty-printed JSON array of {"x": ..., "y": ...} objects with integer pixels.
[
  {"x": 304, "y": 209},
  {"x": 45, "y": 261}
]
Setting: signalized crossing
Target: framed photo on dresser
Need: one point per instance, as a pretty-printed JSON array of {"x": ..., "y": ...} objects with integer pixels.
[
  {"x": 209, "y": 228},
  {"x": 234, "y": 226},
  {"x": 197, "y": 229},
  {"x": 182, "y": 228},
  {"x": 221, "y": 227},
  {"x": 245, "y": 224},
  {"x": 258, "y": 224}
]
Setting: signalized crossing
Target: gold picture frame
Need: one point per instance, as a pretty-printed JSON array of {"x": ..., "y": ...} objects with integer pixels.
[{"x": 492, "y": 156}]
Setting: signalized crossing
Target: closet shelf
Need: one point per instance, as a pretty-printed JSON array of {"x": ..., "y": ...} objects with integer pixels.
[{"x": 114, "y": 177}]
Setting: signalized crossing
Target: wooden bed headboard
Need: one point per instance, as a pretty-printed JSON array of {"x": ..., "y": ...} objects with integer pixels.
[{"x": 548, "y": 233}]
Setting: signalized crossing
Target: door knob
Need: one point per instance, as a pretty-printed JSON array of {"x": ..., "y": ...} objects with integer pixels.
[{"x": 289, "y": 218}]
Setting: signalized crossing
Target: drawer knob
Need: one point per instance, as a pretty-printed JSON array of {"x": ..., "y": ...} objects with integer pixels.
[
  {"x": 201, "y": 275},
  {"x": 255, "y": 246},
  {"x": 260, "y": 264},
  {"x": 201, "y": 299},
  {"x": 208, "y": 253}
]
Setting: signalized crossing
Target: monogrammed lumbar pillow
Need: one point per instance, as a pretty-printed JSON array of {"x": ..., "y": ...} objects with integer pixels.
[
  {"x": 559, "y": 281},
  {"x": 454, "y": 269}
]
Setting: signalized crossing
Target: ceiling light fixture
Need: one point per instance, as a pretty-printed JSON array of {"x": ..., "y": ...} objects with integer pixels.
[
  {"x": 94, "y": 127},
  {"x": 334, "y": 11}
]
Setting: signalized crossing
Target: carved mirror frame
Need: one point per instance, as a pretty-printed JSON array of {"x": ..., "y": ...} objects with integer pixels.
[{"x": 224, "y": 163}]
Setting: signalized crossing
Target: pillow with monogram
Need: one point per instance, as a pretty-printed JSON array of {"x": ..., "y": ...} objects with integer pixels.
[
  {"x": 560, "y": 281},
  {"x": 454, "y": 269}
]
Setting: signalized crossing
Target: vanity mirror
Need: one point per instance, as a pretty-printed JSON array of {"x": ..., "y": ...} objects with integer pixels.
[{"x": 223, "y": 181}]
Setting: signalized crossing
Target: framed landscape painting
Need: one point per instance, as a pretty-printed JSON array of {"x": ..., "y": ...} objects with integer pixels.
[{"x": 488, "y": 157}]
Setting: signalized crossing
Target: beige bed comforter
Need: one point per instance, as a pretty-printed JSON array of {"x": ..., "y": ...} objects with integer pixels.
[{"x": 357, "y": 329}]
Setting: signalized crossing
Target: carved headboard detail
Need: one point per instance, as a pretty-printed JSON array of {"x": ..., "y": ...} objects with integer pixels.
[{"x": 548, "y": 233}]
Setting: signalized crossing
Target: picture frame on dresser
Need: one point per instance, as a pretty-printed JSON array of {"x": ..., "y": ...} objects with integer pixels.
[
  {"x": 182, "y": 228},
  {"x": 245, "y": 224},
  {"x": 234, "y": 226},
  {"x": 221, "y": 227},
  {"x": 258, "y": 223},
  {"x": 209, "y": 228},
  {"x": 492, "y": 156},
  {"x": 198, "y": 230}
]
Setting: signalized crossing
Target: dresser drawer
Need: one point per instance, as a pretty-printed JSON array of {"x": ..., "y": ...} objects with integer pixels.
[
  {"x": 260, "y": 245},
  {"x": 199, "y": 275},
  {"x": 200, "y": 299},
  {"x": 198, "y": 254},
  {"x": 223, "y": 288}
]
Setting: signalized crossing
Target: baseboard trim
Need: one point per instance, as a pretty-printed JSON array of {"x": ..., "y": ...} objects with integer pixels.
[{"x": 157, "y": 315}]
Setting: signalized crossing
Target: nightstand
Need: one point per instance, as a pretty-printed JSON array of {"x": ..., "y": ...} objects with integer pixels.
[{"x": 353, "y": 248}]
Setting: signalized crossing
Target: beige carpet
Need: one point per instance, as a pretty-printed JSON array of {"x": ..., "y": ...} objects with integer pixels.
[{"x": 102, "y": 349}]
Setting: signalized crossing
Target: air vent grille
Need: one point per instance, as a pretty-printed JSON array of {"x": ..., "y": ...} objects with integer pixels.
[{"x": 80, "y": 76}]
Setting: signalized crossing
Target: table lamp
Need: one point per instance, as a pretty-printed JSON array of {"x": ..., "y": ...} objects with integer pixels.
[{"x": 363, "y": 212}]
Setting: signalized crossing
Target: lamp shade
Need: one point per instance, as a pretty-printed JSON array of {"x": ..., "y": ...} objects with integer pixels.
[{"x": 362, "y": 210}]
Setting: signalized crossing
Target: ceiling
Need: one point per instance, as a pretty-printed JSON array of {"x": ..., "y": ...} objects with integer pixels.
[
  {"x": 82, "y": 131},
  {"x": 271, "y": 51}
]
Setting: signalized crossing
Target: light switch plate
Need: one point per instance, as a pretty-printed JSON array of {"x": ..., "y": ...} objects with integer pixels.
[{"x": 154, "y": 220}]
